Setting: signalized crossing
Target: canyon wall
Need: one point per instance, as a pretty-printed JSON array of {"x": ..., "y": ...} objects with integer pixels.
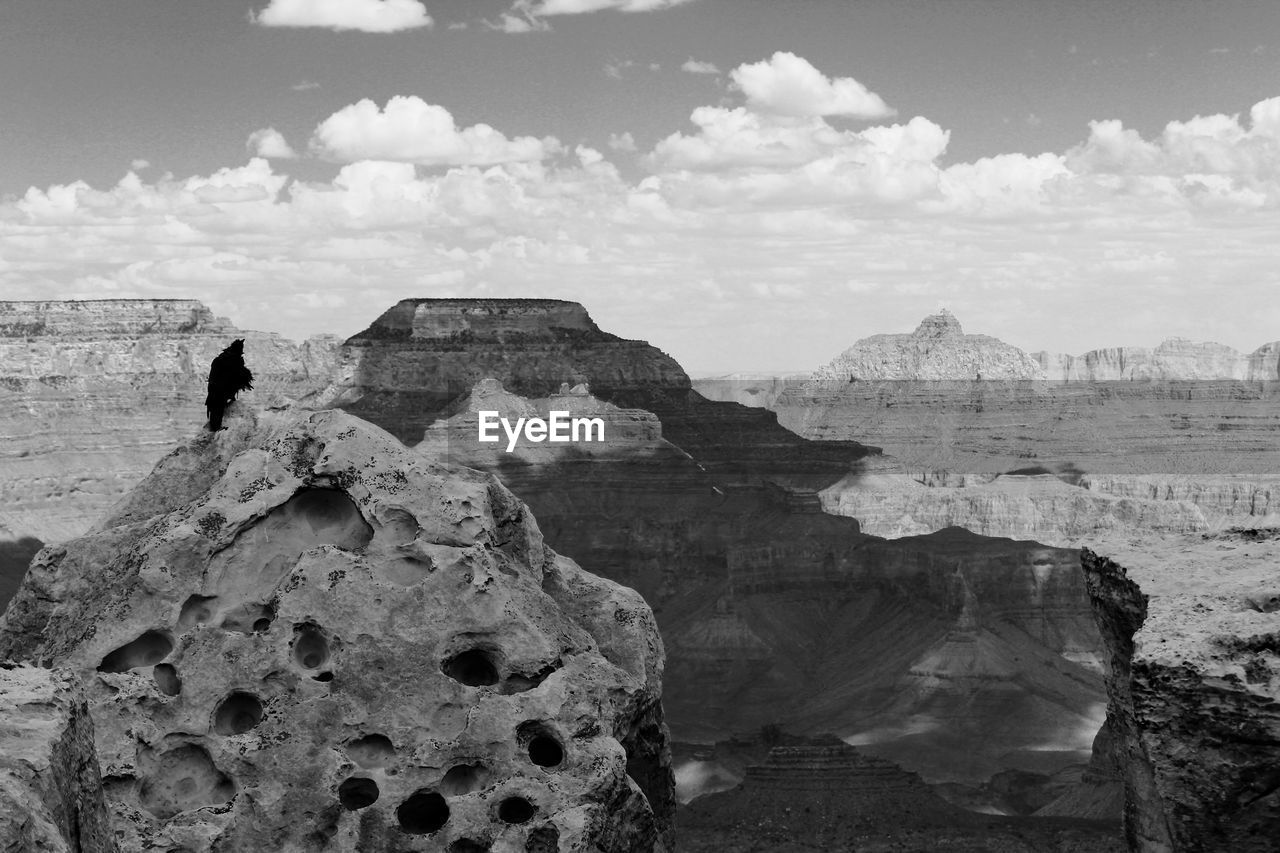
[
  {"x": 1191, "y": 627},
  {"x": 92, "y": 394}
]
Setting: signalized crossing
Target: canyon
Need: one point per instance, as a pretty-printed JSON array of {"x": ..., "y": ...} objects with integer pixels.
[{"x": 890, "y": 560}]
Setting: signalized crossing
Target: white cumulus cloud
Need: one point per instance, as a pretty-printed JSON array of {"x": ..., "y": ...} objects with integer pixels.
[
  {"x": 269, "y": 142},
  {"x": 370, "y": 16},
  {"x": 789, "y": 85},
  {"x": 696, "y": 66},
  {"x": 411, "y": 130}
]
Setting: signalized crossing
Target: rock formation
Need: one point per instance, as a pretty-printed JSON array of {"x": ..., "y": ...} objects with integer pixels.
[
  {"x": 937, "y": 349},
  {"x": 332, "y": 642},
  {"x": 423, "y": 354},
  {"x": 1175, "y": 358},
  {"x": 50, "y": 790},
  {"x": 92, "y": 394},
  {"x": 1037, "y": 507},
  {"x": 826, "y": 795},
  {"x": 1191, "y": 629}
]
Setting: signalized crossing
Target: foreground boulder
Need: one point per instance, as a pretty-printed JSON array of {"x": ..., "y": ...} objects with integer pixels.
[
  {"x": 50, "y": 791},
  {"x": 1193, "y": 630},
  {"x": 298, "y": 635}
]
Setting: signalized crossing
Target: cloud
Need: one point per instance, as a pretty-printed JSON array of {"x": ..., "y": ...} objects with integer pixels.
[
  {"x": 411, "y": 130},
  {"x": 579, "y": 7},
  {"x": 270, "y": 143},
  {"x": 695, "y": 66},
  {"x": 304, "y": 86},
  {"x": 789, "y": 85},
  {"x": 622, "y": 141},
  {"x": 762, "y": 224},
  {"x": 139, "y": 164},
  {"x": 370, "y": 16}
]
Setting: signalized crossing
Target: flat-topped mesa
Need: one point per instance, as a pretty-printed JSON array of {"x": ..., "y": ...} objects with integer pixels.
[
  {"x": 481, "y": 319},
  {"x": 422, "y": 355},
  {"x": 937, "y": 350}
]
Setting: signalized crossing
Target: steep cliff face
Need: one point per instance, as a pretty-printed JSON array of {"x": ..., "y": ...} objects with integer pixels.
[
  {"x": 50, "y": 789},
  {"x": 422, "y": 354},
  {"x": 93, "y": 393},
  {"x": 338, "y": 643},
  {"x": 1191, "y": 629},
  {"x": 937, "y": 349}
]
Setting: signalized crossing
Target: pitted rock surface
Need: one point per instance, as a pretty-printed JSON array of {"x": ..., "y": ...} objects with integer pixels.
[{"x": 339, "y": 644}]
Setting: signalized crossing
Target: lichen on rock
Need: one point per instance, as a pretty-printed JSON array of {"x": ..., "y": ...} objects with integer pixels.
[{"x": 338, "y": 644}]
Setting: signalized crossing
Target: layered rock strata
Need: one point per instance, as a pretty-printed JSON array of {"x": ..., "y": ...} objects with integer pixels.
[
  {"x": 421, "y": 355},
  {"x": 1191, "y": 629},
  {"x": 337, "y": 643},
  {"x": 1038, "y": 507},
  {"x": 50, "y": 789},
  {"x": 93, "y": 393}
]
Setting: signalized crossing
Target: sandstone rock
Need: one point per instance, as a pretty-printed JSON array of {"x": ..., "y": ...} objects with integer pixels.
[
  {"x": 340, "y": 644},
  {"x": 50, "y": 788},
  {"x": 937, "y": 349},
  {"x": 1193, "y": 681},
  {"x": 93, "y": 393}
]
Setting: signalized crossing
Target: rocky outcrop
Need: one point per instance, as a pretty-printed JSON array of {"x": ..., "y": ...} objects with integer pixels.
[
  {"x": 1224, "y": 501},
  {"x": 937, "y": 349},
  {"x": 1191, "y": 629},
  {"x": 340, "y": 643},
  {"x": 93, "y": 393},
  {"x": 50, "y": 789}
]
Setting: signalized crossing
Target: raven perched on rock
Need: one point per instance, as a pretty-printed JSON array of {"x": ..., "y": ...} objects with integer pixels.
[{"x": 227, "y": 377}]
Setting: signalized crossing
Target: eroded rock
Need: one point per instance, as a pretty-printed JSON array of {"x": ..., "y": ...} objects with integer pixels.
[
  {"x": 343, "y": 645},
  {"x": 50, "y": 790}
]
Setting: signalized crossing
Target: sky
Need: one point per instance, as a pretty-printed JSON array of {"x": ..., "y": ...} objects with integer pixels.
[{"x": 751, "y": 185}]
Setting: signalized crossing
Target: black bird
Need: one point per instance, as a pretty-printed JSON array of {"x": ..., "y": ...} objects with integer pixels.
[{"x": 227, "y": 377}]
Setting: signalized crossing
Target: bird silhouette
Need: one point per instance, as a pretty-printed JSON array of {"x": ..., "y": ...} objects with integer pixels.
[{"x": 227, "y": 377}]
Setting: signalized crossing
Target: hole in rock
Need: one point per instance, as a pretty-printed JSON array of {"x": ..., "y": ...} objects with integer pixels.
[
  {"x": 180, "y": 780},
  {"x": 357, "y": 792},
  {"x": 310, "y": 646},
  {"x": 463, "y": 779},
  {"x": 237, "y": 714},
  {"x": 261, "y": 626},
  {"x": 323, "y": 676},
  {"x": 518, "y": 683},
  {"x": 468, "y": 845},
  {"x": 332, "y": 516},
  {"x": 399, "y": 527},
  {"x": 544, "y": 839},
  {"x": 423, "y": 812},
  {"x": 166, "y": 676},
  {"x": 148, "y": 650},
  {"x": 546, "y": 751},
  {"x": 196, "y": 610},
  {"x": 515, "y": 810},
  {"x": 474, "y": 668},
  {"x": 245, "y": 618},
  {"x": 371, "y": 751}
]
